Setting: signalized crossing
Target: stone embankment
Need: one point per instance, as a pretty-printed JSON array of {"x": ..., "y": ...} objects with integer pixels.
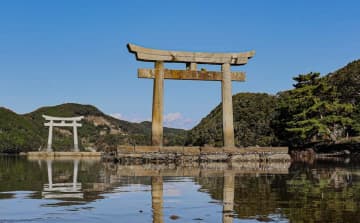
[{"x": 179, "y": 154}]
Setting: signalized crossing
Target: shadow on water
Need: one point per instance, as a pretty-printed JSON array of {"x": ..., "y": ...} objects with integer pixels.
[{"x": 207, "y": 192}]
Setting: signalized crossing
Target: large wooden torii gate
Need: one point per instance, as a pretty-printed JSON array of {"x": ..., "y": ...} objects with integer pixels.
[{"x": 191, "y": 73}]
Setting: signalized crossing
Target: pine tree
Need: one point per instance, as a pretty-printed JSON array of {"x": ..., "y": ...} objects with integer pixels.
[{"x": 312, "y": 111}]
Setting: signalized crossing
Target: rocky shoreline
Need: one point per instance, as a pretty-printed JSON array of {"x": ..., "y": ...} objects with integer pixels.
[{"x": 334, "y": 153}]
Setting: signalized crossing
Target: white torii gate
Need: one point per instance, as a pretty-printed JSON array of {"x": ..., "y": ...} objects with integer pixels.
[{"x": 63, "y": 122}]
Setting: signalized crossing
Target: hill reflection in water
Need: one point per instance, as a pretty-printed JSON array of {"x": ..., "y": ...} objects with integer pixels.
[{"x": 92, "y": 191}]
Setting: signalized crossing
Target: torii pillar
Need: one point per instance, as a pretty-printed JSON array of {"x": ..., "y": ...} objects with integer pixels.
[
  {"x": 227, "y": 106},
  {"x": 191, "y": 59},
  {"x": 158, "y": 105}
]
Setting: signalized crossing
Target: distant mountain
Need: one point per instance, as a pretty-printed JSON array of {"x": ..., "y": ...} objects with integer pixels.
[{"x": 99, "y": 131}]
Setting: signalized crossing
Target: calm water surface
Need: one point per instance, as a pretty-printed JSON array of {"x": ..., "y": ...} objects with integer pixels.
[{"x": 91, "y": 191}]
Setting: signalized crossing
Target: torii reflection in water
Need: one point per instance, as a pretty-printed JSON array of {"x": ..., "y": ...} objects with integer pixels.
[
  {"x": 62, "y": 190},
  {"x": 228, "y": 198},
  {"x": 157, "y": 199}
]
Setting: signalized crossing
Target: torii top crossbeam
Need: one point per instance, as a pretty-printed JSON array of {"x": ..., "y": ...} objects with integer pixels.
[
  {"x": 49, "y": 118},
  {"x": 147, "y": 54}
]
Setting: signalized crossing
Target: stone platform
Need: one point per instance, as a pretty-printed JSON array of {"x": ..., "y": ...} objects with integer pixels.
[
  {"x": 60, "y": 155},
  {"x": 201, "y": 154}
]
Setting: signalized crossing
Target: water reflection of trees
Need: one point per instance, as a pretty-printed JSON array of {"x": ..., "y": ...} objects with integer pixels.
[
  {"x": 324, "y": 194},
  {"x": 305, "y": 195}
]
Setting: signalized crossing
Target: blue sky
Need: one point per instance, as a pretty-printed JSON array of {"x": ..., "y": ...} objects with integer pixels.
[{"x": 53, "y": 52}]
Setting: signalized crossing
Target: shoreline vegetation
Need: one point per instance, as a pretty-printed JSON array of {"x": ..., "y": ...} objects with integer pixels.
[{"x": 321, "y": 114}]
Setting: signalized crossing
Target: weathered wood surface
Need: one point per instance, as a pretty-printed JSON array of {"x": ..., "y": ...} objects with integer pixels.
[
  {"x": 191, "y": 75},
  {"x": 191, "y": 66},
  {"x": 147, "y": 54}
]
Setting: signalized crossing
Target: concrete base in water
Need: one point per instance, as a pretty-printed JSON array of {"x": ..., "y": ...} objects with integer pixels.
[
  {"x": 37, "y": 155},
  {"x": 202, "y": 154}
]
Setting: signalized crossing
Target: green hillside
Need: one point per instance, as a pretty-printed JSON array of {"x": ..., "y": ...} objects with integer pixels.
[
  {"x": 347, "y": 81},
  {"x": 99, "y": 131},
  {"x": 17, "y": 133},
  {"x": 253, "y": 113}
]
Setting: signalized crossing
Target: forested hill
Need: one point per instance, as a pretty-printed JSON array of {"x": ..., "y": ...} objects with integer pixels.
[
  {"x": 99, "y": 131},
  {"x": 318, "y": 110},
  {"x": 17, "y": 132},
  {"x": 253, "y": 113},
  {"x": 347, "y": 81}
]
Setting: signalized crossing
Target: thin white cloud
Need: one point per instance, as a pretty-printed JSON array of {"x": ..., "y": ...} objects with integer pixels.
[
  {"x": 173, "y": 120},
  {"x": 129, "y": 118},
  {"x": 172, "y": 117},
  {"x": 177, "y": 120}
]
